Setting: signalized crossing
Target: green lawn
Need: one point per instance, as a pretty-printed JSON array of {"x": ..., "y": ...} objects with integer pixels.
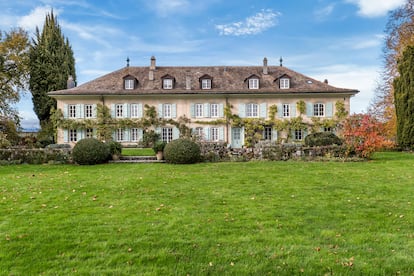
[
  {"x": 257, "y": 218},
  {"x": 138, "y": 152}
]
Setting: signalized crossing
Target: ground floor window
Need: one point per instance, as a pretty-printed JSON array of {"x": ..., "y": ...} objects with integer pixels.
[
  {"x": 89, "y": 133},
  {"x": 119, "y": 135},
  {"x": 199, "y": 133},
  {"x": 298, "y": 134},
  {"x": 214, "y": 134},
  {"x": 134, "y": 134},
  {"x": 327, "y": 129},
  {"x": 73, "y": 135},
  {"x": 267, "y": 133},
  {"x": 167, "y": 134}
]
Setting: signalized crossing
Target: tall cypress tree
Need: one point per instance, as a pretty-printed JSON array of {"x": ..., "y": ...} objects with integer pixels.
[
  {"x": 51, "y": 62},
  {"x": 404, "y": 99}
]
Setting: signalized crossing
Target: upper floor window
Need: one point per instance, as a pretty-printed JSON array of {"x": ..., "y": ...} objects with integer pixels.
[
  {"x": 214, "y": 110},
  {"x": 199, "y": 110},
  {"x": 88, "y": 111},
  {"x": 135, "y": 110},
  {"x": 72, "y": 111},
  {"x": 253, "y": 83},
  {"x": 206, "y": 84},
  {"x": 167, "y": 83},
  {"x": 252, "y": 110},
  {"x": 319, "y": 110},
  {"x": 284, "y": 83},
  {"x": 119, "y": 110},
  {"x": 286, "y": 110},
  {"x": 166, "y": 111},
  {"x": 129, "y": 84}
]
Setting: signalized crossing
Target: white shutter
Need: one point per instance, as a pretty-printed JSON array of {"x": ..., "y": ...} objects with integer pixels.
[
  {"x": 125, "y": 110},
  {"x": 175, "y": 133},
  {"x": 207, "y": 110},
  {"x": 160, "y": 106},
  {"x": 113, "y": 111},
  {"x": 65, "y": 111},
  {"x": 174, "y": 111},
  {"x": 65, "y": 136},
  {"x": 140, "y": 111},
  {"x": 192, "y": 110},
  {"x": 292, "y": 110},
  {"x": 78, "y": 111},
  {"x": 242, "y": 110},
  {"x": 94, "y": 111},
  {"x": 221, "y": 110},
  {"x": 263, "y": 110},
  {"x": 329, "y": 109},
  {"x": 221, "y": 133}
]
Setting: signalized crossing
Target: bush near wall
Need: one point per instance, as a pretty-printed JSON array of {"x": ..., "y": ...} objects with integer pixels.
[{"x": 35, "y": 156}]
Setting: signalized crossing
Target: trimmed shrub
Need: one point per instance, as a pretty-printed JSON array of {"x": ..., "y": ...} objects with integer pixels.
[
  {"x": 182, "y": 151},
  {"x": 319, "y": 139},
  {"x": 90, "y": 151},
  {"x": 115, "y": 148}
]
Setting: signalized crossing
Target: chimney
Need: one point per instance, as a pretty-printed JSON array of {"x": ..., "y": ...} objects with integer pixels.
[
  {"x": 265, "y": 71},
  {"x": 70, "y": 83},
  {"x": 152, "y": 69},
  {"x": 325, "y": 81},
  {"x": 188, "y": 82}
]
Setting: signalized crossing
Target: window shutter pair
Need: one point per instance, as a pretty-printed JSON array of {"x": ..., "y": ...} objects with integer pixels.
[
  {"x": 328, "y": 109},
  {"x": 262, "y": 110}
]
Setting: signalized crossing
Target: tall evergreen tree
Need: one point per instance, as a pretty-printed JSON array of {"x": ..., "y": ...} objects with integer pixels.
[
  {"x": 51, "y": 62},
  {"x": 404, "y": 98}
]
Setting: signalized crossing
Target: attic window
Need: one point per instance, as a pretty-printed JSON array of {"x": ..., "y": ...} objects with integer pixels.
[
  {"x": 206, "y": 84},
  {"x": 130, "y": 82},
  {"x": 167, "y": 82},
  {"x": 253, "y": 83},
  {"x": 284, "y": 83}
]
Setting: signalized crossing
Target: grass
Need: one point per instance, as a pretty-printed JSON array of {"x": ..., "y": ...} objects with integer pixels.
[
  {"x": 137, "y": 152},
  {"x": 257, "y": 218}
]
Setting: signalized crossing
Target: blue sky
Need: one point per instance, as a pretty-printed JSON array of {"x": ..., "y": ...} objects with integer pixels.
[{"x": 338, "y": 40}]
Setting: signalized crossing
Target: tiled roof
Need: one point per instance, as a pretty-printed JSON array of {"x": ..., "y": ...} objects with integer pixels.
[{"x": 225, "y": 80}]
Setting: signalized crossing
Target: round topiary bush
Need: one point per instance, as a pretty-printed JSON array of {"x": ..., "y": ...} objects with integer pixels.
[
  {"x": 182, "y": 151},
  {"x": 90, "y": 151},
  {"x": 322, "y": 139}
]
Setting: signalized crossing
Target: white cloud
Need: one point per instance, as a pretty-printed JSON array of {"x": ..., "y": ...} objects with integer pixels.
[
  {"x": 35, "y": 18},
  {"x": 324, "y": 12},
  {"x": 167, "y": 7},
  {"x": 374, "y": 8},
  {"x": 252, "y": 25}
]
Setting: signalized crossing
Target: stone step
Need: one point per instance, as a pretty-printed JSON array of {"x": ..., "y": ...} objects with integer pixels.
[{"x": 138, "y": 159}]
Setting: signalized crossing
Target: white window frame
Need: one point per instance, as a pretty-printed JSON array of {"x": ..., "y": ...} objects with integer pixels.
[
  {"x": 267, "y": 133},
  {"x": 298, "y": 134},
  {"x": 129, "y": 84},
  {"x": 286, "y": 110},
  {"x": 199, "y": 110},
  {"x": 73, "y": 135},
  {"x": 72, "y": 110},
  {"x": 319, "y": 110},
  {"x": 206, "y": 84},
  {"x": 199, "y": 132},
  {"x": 134, "y": 109},
  {"x": 254, "y": 83},
  {"x": 252, "y": 110},
  {"x": 214, "y": 110},
  {"x": 89, "y": 133},
  {"x": 214, "y": 134},
  {"x": 167, "y": 110},
  {"x": 167, "y": 134},
  {"x": 134, "y": 134},
  {"x": 119, "y": 110},
  {"x": 167, "y": 83},
  {"x": 284, "y": 83},
  {"x": 119, "y": 134},
  {"x": 328, "y": 129},
  {"x": 88, "y": 111}
]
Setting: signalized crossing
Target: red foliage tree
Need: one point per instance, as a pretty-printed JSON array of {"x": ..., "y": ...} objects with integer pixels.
[{"x": 364, "y": 134}]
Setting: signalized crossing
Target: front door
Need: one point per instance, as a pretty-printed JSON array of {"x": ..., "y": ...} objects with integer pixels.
[{"x": 236, "y": 137}]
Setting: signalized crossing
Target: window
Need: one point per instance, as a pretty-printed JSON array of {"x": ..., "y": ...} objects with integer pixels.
[
  {"x": 214, "y": 112},
  {"x": 88, "y": 111},
  {"x": 129, "y": 84},
  {"x": 89, "y": 133},
  {"x": 72, "y": 111},
  {"x": 199, "y": 110},
  {"x": 135, "y": 111},
  {"x": 134, "y": 134},
  {"x": 167, "y": 83},
  {"x": 166, "y": 110},
  {"x": 252, "y": 110},
  {"x": 167, "y": 134},
  {"x": 73, "y": 135},
  {"x": 284, "y": 83},
  {"x": 253, "y": 83},
  {"x": 267, "y": 133},
  {"x": 298, "y": 134},
  {"x": 119, "y": 110},
  {"x": 199, "y": 133},
  {"x": 214, "y": 134},
  {"x": 286, "y": 110},
  {"x": 206, "y": 84},
  {"x": 318, "y": 110},
  {"x": 327, "y": 129},
  {"x": 119, "y": 135}
]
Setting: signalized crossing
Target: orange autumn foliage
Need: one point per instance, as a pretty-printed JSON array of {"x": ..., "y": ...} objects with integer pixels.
[{"x": 365, "y": 135}]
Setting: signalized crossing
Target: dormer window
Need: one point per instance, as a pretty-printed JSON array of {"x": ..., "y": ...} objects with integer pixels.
[
  {"x": 253, "y": 82},
  {"x": 130, "y": 83},
  {"x": 167, "y": 82},
  {"x": 284, "y": 83},
  {"x": 205, "y": 82}
]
